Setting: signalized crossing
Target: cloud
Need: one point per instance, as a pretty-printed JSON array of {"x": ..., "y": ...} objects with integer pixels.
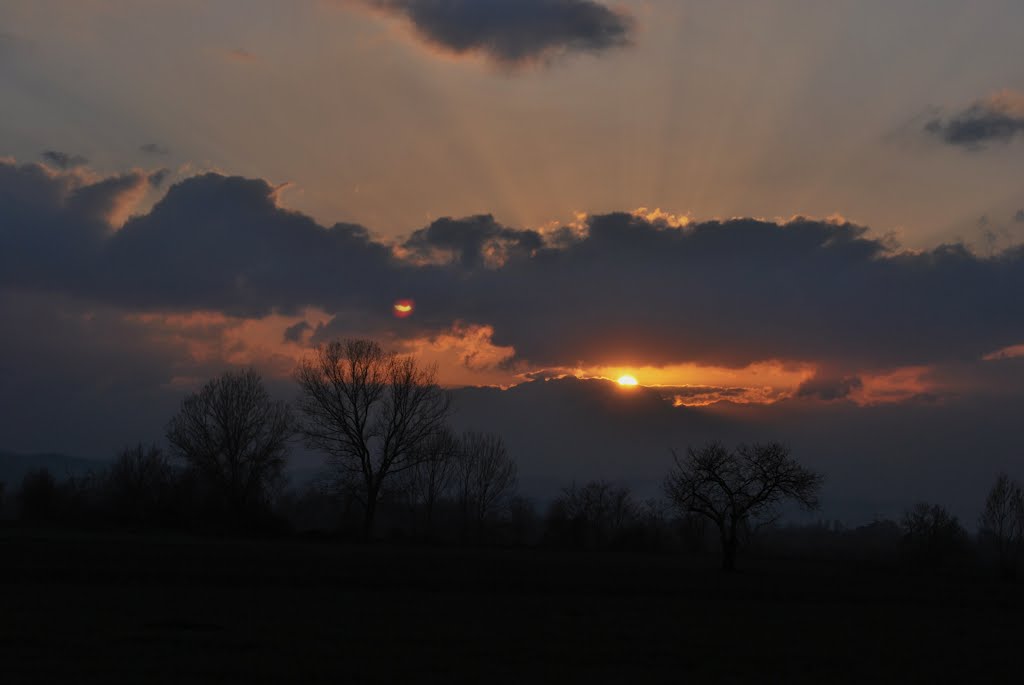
[
  {"x": 297, "y": 332},
  {"x": 55, "y": 224},
  {"x": 1019, "y": 216},
  {"x": 826, "y": 388},
  {"x": 63, "y": 160},
  {"x": 157, "y": 178},
  {"x": 877, "y": 460},
  {"x": 471, "y": 242},
  {"x": 735, "y": 292},
  {"x": 154, "y": 149},
  {"x": 995, "y": 119},
  {"x": 513, "y": 32},
  {"x": 624, "y": 290},
  {"x": 240, "y": 56}
]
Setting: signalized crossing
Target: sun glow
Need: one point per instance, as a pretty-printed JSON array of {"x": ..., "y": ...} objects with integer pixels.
[
  {"x": 403, "y": 308},
  {"x": 627, "y": 380}
]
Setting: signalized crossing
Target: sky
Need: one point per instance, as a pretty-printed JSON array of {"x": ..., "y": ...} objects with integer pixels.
[{"x": 775, "y": 215}]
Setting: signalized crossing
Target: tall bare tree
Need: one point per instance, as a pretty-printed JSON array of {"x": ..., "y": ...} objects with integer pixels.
[
  {"x": 371, "y": 411},
  {"x": 1002, "y": 521},
  {"x": 432, "y": 477},
  {"x": 737, "y": 488},
  {"x": 234, "y": 437},
  {"x": 486, "y": 477}
]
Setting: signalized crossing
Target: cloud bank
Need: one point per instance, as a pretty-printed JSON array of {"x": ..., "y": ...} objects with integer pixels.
[
  {"x": 513, "y": 32},
  {"x": 624, "y": 290}
]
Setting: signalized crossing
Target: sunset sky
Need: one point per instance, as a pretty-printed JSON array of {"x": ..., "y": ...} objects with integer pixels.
[{"x": 762, "y": 211}]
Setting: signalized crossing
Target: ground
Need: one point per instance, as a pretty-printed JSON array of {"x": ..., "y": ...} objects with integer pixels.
[{"x": 109, "y": 608}]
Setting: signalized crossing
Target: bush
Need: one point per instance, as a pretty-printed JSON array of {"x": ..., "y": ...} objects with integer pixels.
[{"x": 932, "y": 537}]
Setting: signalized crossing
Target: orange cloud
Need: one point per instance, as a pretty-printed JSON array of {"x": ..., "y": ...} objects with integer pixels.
[
  {"x": 467, "y": 355},
  {"x": 1010, "y": 352},
  {"x": 212, "y": 338}
]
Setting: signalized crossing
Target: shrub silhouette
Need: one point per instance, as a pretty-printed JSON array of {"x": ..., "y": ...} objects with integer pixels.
[
  {"x": 591, "y": 516},
  {"x": 39, "y": 498},
  {"x": 139, "y": 484},
  {"x": 932, "y": 537}
]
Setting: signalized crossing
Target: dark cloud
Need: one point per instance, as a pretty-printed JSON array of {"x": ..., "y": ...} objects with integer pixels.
[
  {"x": 513, "y": 32},
  {"x": 223, "y": 243},
  {"x": 996, "y": 119},
  {"x": 297, "y": 332},
  {"x": 157, "y": 178},
  {"x": 624, "y": 290},
  {"x": 1019, "y": 216},
  {"x": 63, "y": 160},
  {"x": 54, "y": 226},
  {"x": 877, "y": 460},
  {"x": 472, "y": 242},
  {"x": 739, "y": 291},
  {"x": 828, "y": 388},
  {"x": 154, "y": 149}
]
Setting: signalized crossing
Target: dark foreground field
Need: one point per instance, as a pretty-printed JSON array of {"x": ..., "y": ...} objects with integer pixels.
[{"x": 88, "y": 607}]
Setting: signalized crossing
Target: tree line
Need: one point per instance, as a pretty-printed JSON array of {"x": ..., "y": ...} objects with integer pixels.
[{"x": 381, "y": 421}]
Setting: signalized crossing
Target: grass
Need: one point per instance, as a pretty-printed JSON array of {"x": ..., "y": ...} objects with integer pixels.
[{"x": 111, "y": 608}]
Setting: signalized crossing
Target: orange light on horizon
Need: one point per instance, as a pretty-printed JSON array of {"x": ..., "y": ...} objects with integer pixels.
[
  {"x": 403, "y": 308},
  {"x": 627, "y": 381}
]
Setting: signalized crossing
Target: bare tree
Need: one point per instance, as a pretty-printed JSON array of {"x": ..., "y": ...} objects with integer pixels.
[
  {"x": 1002, "y": 522},
  {"x": 138, "y": 480},
  {"x": 371, "y": 411},
  {"x": 234, "y": 437},
  {"x": 486, "y": 477},
  {"x": 737, "y": 488},
  {"x": 932, "y": 536},
  {"x": 597, "y": 511},
  {"x": 432, "y": 476}
]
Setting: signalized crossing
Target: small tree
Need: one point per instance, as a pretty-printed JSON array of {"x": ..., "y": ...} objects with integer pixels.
[
  {"x": 39, "y": 496},
  {"x": 371, "y": 411},
  {"x": 427, "y": 482},
  {"x": 1002, "y": 522},
  {"x": 486, "y": 478},
  {"x": 932, "y": 536},
  {"x": 594, "y": 513},
  {"x": 737, "y": 488},
  {"x": 138, "y": 481},
  {"x": 234, "y": 438}
]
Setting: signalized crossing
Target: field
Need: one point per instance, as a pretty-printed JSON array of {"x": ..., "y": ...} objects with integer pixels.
[{"x": 116, "y": 608}]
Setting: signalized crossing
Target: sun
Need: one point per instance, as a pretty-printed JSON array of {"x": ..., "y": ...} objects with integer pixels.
[{"x": 627, "y": 380}]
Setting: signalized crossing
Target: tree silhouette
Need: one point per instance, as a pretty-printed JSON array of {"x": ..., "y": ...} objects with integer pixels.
[
  {"x": 485, "y": 478},
  {"x": 138, "y": 481},
  {"x": 595, "y": 512},
  {"x": 371, "y": 411},
  {"x": 737, "y": 488},
  {"x": 38, "y": 498},
  {"x": 234, "y": 438},
  {"x": 1002, "y": 522},
  {"x": 932, "y": 536},
  {"x": 433, "y": 474}
]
